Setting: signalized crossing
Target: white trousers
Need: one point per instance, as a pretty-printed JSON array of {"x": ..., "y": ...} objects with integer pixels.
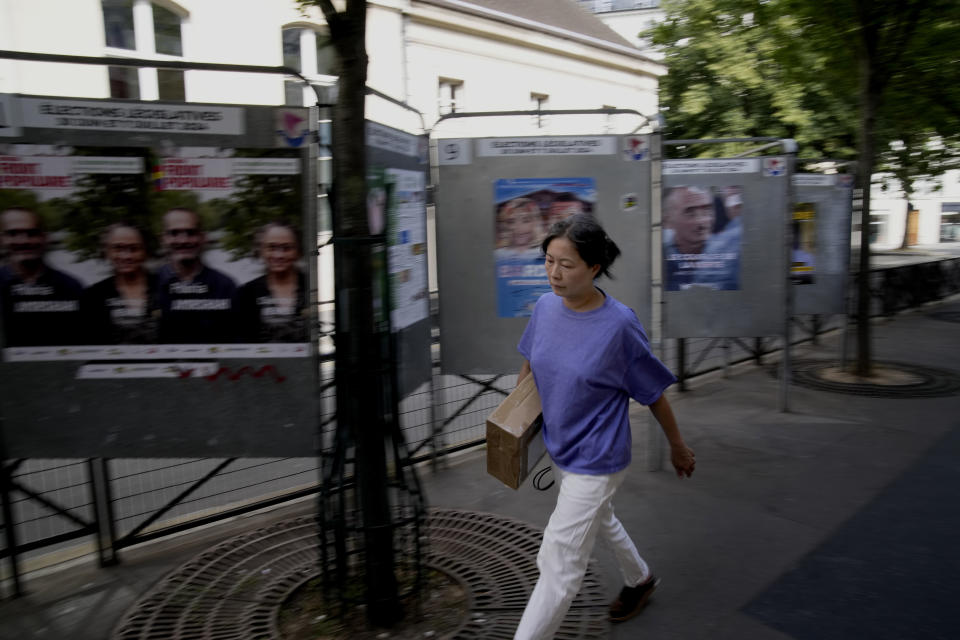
[{"x": 583, "y": 509}]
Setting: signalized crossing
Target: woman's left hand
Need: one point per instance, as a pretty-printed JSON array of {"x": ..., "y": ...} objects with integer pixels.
[{"x": 683, "y": 459}]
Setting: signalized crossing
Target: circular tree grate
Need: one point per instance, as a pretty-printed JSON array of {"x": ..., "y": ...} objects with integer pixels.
[
  {"x": 892, "y": 380},
  {"x": 235, "y": 590}
]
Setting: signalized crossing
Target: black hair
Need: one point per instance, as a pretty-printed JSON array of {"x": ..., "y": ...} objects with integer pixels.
[{"x": 591, "y": 241}]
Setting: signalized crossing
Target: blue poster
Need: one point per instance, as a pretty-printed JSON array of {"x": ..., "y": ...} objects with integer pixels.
[
  {"x": 702, "y": 230},
  {"x": 524, "y": 208}
]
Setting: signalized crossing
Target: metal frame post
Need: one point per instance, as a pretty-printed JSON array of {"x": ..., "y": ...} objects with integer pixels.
[
  {"x": 655, "y": 441},
  {"x": 682, "y": 362},
  {"x": 790, "y": 149},
  {"x": 103, "y": 514},
  {"x": 9, "y": 525}
]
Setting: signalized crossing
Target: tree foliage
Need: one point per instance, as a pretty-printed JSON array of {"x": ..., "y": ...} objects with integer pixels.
[
  {"x": 99, "y": 201},
  {"x": 791, "y": 68},
  {"x": 738, "y": 68},
  {"x": 258, "y": 200},
  {"x": 870, "y": 80},
  {"x": 50, "y": 211}
]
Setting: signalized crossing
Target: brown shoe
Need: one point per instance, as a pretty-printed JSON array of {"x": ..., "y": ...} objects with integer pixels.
[{"x": 632, "y": 600}]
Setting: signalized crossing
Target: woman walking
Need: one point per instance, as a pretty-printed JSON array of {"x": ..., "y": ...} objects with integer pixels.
[{"x": 589, "y": 355}]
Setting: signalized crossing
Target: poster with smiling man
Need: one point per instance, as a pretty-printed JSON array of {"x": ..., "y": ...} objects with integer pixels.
[{"x": 703, "y": 230}]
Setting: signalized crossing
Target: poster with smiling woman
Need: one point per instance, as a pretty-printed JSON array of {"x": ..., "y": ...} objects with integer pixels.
[{"x": 524, "y": 208}]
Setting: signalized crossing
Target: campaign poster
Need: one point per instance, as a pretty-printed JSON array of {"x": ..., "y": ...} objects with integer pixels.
[
  {"x": 152, "y": 257},
  {"x": 803, "y": 249},
  {"x": 524, "y": 208},
  {"x": 407, "y": 266},
  {"x": 55, "y": 203},
  {"x": 702, "y": 236}
]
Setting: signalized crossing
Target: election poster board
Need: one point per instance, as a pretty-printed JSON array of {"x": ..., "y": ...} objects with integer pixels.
[
  {"x": 156, "y": 300},
  {"x": 496, "y": 198},
  {"x": 397, "y": 201},
  {"x": 723, "y": 246},
  {"x": 820, "y": 249}
]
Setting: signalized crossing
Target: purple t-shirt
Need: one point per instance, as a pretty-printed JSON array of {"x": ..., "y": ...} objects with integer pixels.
[{"x": 587, "y": 365}]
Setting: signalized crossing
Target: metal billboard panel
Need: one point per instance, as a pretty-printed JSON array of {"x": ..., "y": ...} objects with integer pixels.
[
  {"x": 156, "y": 299},
  {"x": 822, "y": 232},
  {"x": 400, "y": 160},
  {"x": 478, "y": 178},
  {"x": 724, "y": 270}
]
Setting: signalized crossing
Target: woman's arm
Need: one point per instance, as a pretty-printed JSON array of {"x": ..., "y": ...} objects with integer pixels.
[
  {"x": 681, "y": 455},
  {"x": 524, "y": 370}
]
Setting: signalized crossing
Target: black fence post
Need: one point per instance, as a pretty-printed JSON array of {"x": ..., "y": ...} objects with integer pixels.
[
  {"x": 102, "y": 495},
  {"x": 9, "y": 526}
]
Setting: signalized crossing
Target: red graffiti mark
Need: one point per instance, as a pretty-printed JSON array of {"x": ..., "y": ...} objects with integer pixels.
[
  {"x": 268, "y": 370},
  {"x": 216, "y": 375},
  {"x": 185, "y": 373},
  {"x": 241, "y": 371}
]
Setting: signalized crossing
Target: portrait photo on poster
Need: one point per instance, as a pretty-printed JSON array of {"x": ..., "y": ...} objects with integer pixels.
[
  {"x": 122, "y": 254},
  {"x": 702, "y": 237},
  {"x": 524, "y": 208}
]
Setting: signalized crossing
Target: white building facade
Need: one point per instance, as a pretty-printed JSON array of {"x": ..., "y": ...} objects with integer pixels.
[
  {"x": 933, "y": 216},
  {"x": 435, "y": 55}
]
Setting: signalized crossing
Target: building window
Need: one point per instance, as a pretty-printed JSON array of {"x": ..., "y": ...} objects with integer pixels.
[
  {"x": 879, "y": 224},
  {"x": 149, "y": 30},
  {"x": 950, "y": 222},
  {"x": 124, "y": 83},
  {"x": 118, "y": 24},
  {"x": 170, "y": 85},
  {"x": 310, "y": 53},
  {"x": 449, "y": 92},
  {"x": 166, "y": 29}
]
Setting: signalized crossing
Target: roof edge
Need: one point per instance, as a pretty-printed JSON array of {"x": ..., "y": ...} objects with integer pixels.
[{"x": 468, "y": 7}]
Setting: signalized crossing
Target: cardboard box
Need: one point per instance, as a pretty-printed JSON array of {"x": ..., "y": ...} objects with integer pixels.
[{"x": 514, "y": 435}]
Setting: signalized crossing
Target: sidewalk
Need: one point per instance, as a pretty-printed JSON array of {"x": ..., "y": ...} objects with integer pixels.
[
  {"x": 831, "y": 521},
  {"x": 916, "y": 254},
  {"x": 835, "y": 520}
]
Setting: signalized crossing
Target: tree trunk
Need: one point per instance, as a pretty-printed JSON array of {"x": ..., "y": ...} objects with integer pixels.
[
  {"x": 905, "y": 241},
  {"x": 869, "y": 103},
  {"x": 361, "y": 403}
]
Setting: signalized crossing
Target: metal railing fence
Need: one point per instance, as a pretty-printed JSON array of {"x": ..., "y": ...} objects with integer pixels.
[{"x": 56, "y": 510}]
